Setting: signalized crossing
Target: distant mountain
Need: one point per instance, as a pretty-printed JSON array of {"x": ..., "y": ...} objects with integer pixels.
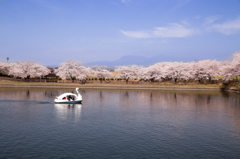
[
  {"x": 52, "y": 66},
  {"x": 137, "y": 60}
]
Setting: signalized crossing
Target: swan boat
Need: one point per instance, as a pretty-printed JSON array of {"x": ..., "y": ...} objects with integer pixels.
[{"x": 69, "y": 98}]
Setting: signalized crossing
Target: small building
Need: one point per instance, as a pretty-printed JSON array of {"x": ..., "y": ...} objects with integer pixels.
[{"x": 51, "y": 75}]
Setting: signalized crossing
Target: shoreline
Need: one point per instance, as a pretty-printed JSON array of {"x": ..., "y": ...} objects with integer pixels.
[
  {"x": 108, "y": 87},
  {"x": 189, "y": 87}
]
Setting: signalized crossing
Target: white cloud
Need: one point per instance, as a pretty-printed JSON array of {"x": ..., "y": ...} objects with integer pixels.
[
  {"x": 185, "y": 22},
  {"x": 155, "y": 42},
  {"x": 176, "y": 30},
  {"x": 173, "y": 30},
  {"x": 136, "y": 34},
  {"x": 125, "y": 1},
  {"x": 210, "y": 20},
  {"x": 227, "y": 28},
  {"x": 197, "y": 17}
]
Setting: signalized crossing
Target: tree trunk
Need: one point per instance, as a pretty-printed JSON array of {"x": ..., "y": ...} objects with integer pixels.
[
  {"x": 82, "y": 81},
  {"x": 27, "y": 79},
  {"x": 126, "y": 81}
]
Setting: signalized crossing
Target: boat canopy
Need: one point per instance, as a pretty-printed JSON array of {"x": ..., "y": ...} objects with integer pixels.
[{"x": 66, "y": 94}]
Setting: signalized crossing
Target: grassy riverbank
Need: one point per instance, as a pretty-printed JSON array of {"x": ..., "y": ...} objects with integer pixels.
[{"x": 109, "y": 85}]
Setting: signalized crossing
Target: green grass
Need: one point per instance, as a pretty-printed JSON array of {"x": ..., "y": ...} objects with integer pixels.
[{"x": 190, "y": 85}]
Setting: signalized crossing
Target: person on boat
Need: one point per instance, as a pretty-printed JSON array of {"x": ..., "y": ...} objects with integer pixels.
[{"x": 69, "y": 98}]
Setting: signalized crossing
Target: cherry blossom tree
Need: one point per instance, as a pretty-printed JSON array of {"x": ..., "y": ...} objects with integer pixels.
[
  {"x": 227, "y": 70},
  {"x": 4, "y": 68},
  {"x": 25, "y": 69},
  {"x": 127, "y": 72},
  {"x": 145, "y": 73},
  {"x": 1, "y": 67},
  {"x": 179, "y": 70},
  {"x": 83, "y": 72},
  {"x": 174, "y": 70},
  {"x": 154, "y": 72},
  {"x": 161, "y": 70},
  {"x": 205, "y": 69},
  {"x": 72, "y": 69},
  {"x": 101, "y": 72},
  {"x": 231, "y": 69},
  {"x": 185, "y": 70},
  {"x": 236, "y": 64}
]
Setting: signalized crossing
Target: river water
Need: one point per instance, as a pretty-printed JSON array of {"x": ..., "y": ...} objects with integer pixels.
[{"x": 119, "y": 124}]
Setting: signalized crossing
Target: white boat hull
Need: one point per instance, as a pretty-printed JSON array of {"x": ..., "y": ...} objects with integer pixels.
[
  {"x": 69, "y": 98},
  {"x": 68, "y": 102}
]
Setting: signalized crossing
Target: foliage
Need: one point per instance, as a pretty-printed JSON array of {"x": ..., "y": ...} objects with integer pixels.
[
  {"x": 127, "y": 72},
  {"x": 73, "y": 70},
  {"x": 101, "y": 72},
  {"x": 25, "y": 69},
  {"x": 172, "y": 71},
  {"x": 4, "y": 68}
]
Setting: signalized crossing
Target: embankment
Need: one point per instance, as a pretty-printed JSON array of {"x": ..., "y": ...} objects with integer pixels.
[
  {"x": 112, "y": 86},
  {"x": 232, "y": 86}
]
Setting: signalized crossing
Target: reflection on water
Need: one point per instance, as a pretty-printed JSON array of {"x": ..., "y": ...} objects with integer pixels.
[
  {"x": 65, "y": 111},
  {"x": 119, "y": 124},
  {"x": 69, "y": 106}
]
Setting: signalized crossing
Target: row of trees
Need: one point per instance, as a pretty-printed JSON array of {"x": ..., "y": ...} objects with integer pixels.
[
  {"x": 24, "y": 69},
  {"x": 75, "y": 70},
  {"x": 205, "y": 69},
  {"x": 67, "y": 70}
]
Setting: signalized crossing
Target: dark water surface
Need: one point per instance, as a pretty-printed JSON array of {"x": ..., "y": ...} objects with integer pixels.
[{"x": 119, "y": 124}]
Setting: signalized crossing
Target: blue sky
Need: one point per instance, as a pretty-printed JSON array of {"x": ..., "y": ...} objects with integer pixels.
[{"x": 51, "y": 31}]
